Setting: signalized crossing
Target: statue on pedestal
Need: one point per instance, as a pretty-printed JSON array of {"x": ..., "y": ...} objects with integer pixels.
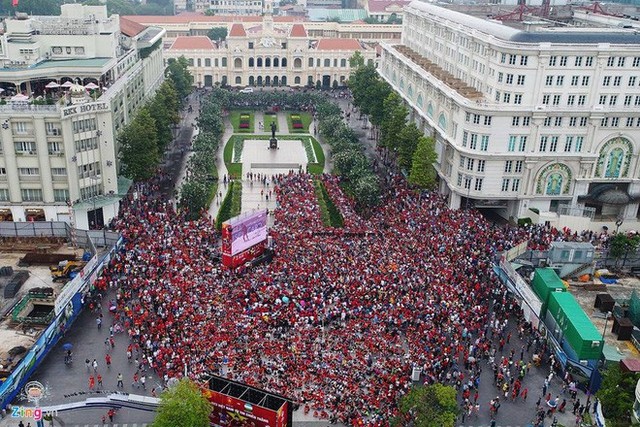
[{"x": 273, "y": 142}]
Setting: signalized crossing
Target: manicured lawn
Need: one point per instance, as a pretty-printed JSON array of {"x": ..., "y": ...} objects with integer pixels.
[
  {"x": 304, "y": 118},
  {"x": 234, "y": 169},
  {"x": 328, "y": 211},
  {"x": 242, "y": 121},
  {"x": 231, "y": 205},
  {"x": 268, "y": 119}
]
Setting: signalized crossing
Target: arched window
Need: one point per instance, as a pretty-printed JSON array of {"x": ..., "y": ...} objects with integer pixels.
[
  {"x": 410, "y": 91},
  {"x": 614, "y": 158},
  {"x": 259, "y": 81},
  {"x": 297, "y": 63},
  {"x": 252, "y": 81},
  {"x": 237, "y": 63},
  {"x": 275, "y": 80},
  {"x": 251, "y": 62},
  {"x": 267, "y": 81},
  {"x": 442, "y": 121},
  {"x": 238, "y": 80},
  {"x": 276, "y": 62},
  {"x": 420, "y": 101},
  {"x": 394, "y": 77},
  {"x": 554, "y": 180},
  {"x": 284, "y": 62},
  {"x": 430, "y": 110},
  {"x": 310, "y": 62},
  {"x": 343, "y": 62},
  {"x": 296, "y": 80},
  {"x": 267, "y": 62},
  {"x": 327, "y": 62},
  {"x": 224, "y": 62},
  {"x": 259, "y": 62},
  {"x": 283, "y": 81}
]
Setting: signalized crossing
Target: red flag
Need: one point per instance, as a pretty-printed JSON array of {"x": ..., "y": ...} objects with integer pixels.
[{"x": 15, "y": 3}]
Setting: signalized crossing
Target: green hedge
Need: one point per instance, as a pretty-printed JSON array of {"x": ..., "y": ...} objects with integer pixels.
[
  {"x": 231, "y": 205},
  {"x": 329, "y": 213}
]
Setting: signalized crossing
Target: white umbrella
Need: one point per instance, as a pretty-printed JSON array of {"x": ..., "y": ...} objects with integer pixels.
[
  {"x": 1, "y": 90},
  {"x": 52, "y": 85},
  {"x": 67, "y": 84},
  {"x": 20, "y": 97},
  {"x": 91, "y": 86}
]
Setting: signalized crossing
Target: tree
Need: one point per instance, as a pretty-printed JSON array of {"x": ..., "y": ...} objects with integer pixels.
[
  {"x": 218, "y": 33},
  {"x": 139, "y": 147},
  {"x": 621, "y": 244},
  {"x": 367, "y": 191},
  {"x": 164, "y": 109},
  {"x": 178, "y": 72},
  {"x": 357, "y": 60},
  {"x": 406, "y": 143},
  {"x": 183, "y": 405},
  {"x": 395, "y": 116},
  {"x": 617, "y": 394},
  {"x": 423, "y": 173},
  {"x": 193, "y": 197},
  {"x": 32, "y": 7},
  {"x": 429, "y": 406}
]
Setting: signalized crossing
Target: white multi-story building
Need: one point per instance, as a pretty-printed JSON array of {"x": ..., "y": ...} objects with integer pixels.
[
  {"x": 69, "y": 83},
  {"x": 546, "y": 119},
  {"x": 264, "y": 54},
  {"x": 236, "y": 7}
]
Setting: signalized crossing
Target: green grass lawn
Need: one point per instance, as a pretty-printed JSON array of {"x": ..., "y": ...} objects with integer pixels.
[
  {"x": 234, "y": 169},
  {"x": 329, "y": 213},
  {"x": 234, "y": 117},
  {"x": 268, "y": 119},
  {"x": 306, "y": 121}
]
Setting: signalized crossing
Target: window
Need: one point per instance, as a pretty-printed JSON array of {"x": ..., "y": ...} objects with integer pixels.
[
  {"x": 463, "y": 159},
  {"x": 606, "y": 81},
  {"x": 615, "y": 121},
  {"x": 515, "y": 186},
  {"x": 517, "y": 98},
  {"x": 523, "y": 60},
  {"x": 223, "y": 62},
  {"x": 582, "y": 99},
  {"x": 602, "y": 100},
  {"x": 481, "y": 164},
  {"x": 507, "y": 97},
  {"x": 207, "y": 63},
  {"x": 476, "y": 119},
  {"x": 583, "y": 121},
  {"x": 632, "y": 80},
  {"x": 31, "y": 195},
  {"x": 520, "y": 81},
  {"x": 567, "y": 144},
  {"x": 573, "y": 121},
  {"x": 636, "y": 101},
  {"x": 4, "y": 194},
  {"x": 505, "y": 184},
  {"x": 515, "y": 121},
  {"x": 20, "y": 128},
  {"x": 636, "y": 61},
  {"x": 84, "y": 125},
  {"x": 604, "y": 122},
  {"x": 484, "y": 142},
  {"x": 575, "y": 80},
  {"x": 617, "y": 80},
  {"x": 59, "y": 171},
  {"x": 523, "y": 143},
  {"x": 559, "y": 80},
  {"x": 459, "y": 180},
  {"x": 478, "y": 185},
  {"x": 28, "y": 171},
  {"x": 556, "y": 99},
  {"x": 498, "y": 96},
  {"x": 60, "y": 195},
  {"x": 509, "y": 79},
  {"x": 557, "y": 121},
  {"x": 552, "y": 61},
  {"x": 629, "y": 121},
  {"x": 55, "y": 147},
  {"x": 518, "y": 166},
  {"x": 579, "y": 140},
  {"x": 473, "y": 142},
  {"x": 24, "y": 147},
  {"x": 487, "y": 120},
  {"x": 470, "y": 163},
  {"x": 508, "y": 166},
  {"x": 611, "y": 61},
  {"x": 546, "y": 122},
  {"x": 613, "y": 99},
  {"x": 585, "y": 80},
  {"x": 512, "y": 143},
  {"x": 548, "y": 81},
  {"x": 545, "y": 99},
  {"x": 467, "y": 182},
  {"x": 465, "y": 137},
  {"x": 503, "y": 58},
  {"x": 588, "y": 62},
  {"x": 553, "y": 146},
  {"x": 563, "y": 61},
  {"x": 526, "y": 121},
  {"x": 543, "y": 143},
  {"x": 627, "y": 100},
  {"x": 621, "y": 61},
  {"x": 578, "y": 61}
]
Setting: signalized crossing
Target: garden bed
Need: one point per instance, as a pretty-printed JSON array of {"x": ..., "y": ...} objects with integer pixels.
[
  {"x": 299, "y": 122},
  {"x": 242, "y": 121}
]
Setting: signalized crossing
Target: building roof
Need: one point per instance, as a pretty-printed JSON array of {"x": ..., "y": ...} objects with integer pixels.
[
  {"x": 130, "y": 28},
  {"x": 71, "y": 63},
  {"x": 194, "y": 17},
  {"x": 297, "y": 30},
  {"x": 237, "y": 30},
  {"x": 344, "y": 15},
  {"x": 338, "y": 44},
  {"x": 192, "y": 43},
  {"x": 382, "y": 5},
  {"x": 576, "y": 316}
]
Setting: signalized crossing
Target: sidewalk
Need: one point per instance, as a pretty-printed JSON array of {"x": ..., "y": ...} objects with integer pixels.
[{"x": 222, "y": 170}]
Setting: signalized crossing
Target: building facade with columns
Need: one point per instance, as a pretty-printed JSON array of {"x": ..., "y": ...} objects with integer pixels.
[
  {"x": 69, "y": 83},
  {"x": 267, "y": 54},
  {"x": 547, "y": 119}
]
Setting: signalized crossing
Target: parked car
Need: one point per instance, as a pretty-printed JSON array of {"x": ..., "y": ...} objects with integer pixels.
[{"x": 247, "y": 90}]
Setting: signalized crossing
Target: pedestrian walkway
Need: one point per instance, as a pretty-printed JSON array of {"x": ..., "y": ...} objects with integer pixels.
[{"x": 222, "y": 171}]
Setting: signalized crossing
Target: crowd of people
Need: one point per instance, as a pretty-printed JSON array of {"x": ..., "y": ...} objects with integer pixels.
[{"x": 340, "y": 317}]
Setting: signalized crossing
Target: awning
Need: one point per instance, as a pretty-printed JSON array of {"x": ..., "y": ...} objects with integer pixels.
[{"x": 608, "y": 194}]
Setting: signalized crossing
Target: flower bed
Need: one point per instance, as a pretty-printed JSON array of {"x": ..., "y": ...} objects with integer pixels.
[
  {"x": 245, "y": 120},
  {"x": 296, "y": 121}
]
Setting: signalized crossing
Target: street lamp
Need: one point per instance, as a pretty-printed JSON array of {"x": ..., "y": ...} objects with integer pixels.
[
  {"x": 606, "y": 320},
  {"x": 618, "y": 224}
]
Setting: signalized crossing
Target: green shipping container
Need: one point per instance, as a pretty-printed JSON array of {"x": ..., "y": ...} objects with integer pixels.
[
  {"x": 545, "y": 282},
  {"x": 576, "y": 326}
]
